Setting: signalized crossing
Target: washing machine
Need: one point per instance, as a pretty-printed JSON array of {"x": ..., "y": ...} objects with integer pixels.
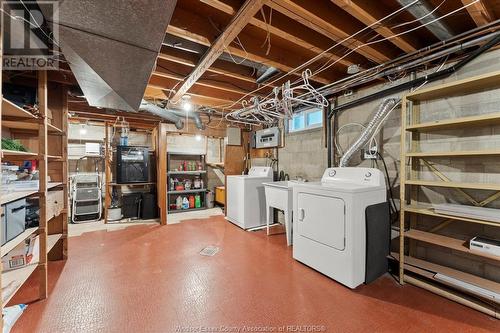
[
  {"x": 246, "y": 201},
  {"x": 329, "y": 231}
]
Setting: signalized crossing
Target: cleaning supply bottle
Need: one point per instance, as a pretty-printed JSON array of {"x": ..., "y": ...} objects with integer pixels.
[
  {"x": 197, "y": 201},
  {"x": 185, "y": 203},
  {"x": 10, "y": 315},
  {"x": 191, "y": 201},
  {"x": 178, "y": 203}
]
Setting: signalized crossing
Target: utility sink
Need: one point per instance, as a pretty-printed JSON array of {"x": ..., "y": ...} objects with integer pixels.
[{"x": 279, "y": 195}]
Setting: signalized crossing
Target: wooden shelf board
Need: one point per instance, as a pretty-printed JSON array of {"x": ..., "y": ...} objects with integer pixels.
[
  {"x": 53, "y": 129},
  {"x": 460, "y": 87},
  {"x": 23, "y": 194},
  {"x": 430, "y": 212},
  {"x": 10, "y": 245},
  {"x": 451, "y": 243},
  {"x": 453, "y": 153},
  {"x": 18, "y": 153},
  {"x": 19, "y": 276},
  {"x": 16, "y": 278},
  {"x": 185, "y": 210},
  {"x": 52, "y": 241},
  {"x": 10, "y": 109},
  {"x": 477, "y": 186},
  {"x": 431, "y": 268},
  {"x": 22, "y": 125},
  {"x": 482, "y": 120},
  {"x": 54, "y": 157}
]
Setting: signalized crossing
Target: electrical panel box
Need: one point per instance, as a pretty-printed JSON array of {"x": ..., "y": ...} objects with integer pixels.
[
  {"x": 267, "y": 138},
  {"x": 233, "y": 136}
]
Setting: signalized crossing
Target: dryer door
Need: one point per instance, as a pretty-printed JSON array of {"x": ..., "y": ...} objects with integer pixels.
[{"x": 321, "y": 219}]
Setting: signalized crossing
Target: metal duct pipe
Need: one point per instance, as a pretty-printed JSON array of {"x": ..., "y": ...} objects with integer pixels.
[
  {"x": 425, "y": 13},
  {"x": 195, "y": 116},
  {"x": 175, "y": 116},
  {"x": 371, "y": 130},
  {"x": 162, "y": 113}
]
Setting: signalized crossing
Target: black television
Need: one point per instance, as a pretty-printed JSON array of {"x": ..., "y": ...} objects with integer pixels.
[{"x": 132, "y": 164}]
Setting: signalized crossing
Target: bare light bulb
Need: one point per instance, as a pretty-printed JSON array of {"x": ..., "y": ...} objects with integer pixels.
[{"x": 83, "y": 130}]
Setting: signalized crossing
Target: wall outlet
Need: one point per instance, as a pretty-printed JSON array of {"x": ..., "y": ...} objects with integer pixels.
[{"x": 369, "y": 154}]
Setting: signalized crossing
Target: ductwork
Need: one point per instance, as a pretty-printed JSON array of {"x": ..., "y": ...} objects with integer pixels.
[
  {"x": 162, "y": 113},
  {"x": 105, "y": 46},
  {"x": 425, "y": 13},
  {"x": 371, "y": 130},
  {"x": 174, "y": 116}
]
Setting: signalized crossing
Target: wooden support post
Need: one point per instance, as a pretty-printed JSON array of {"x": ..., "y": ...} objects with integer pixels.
[
  {"x": 65, "y": 174},
  {"x": 42, "y": 170},
  {"x": 107, "y": 168},
  {"x": 402, "y": 189},
  {"x": 161, "y": 172}
]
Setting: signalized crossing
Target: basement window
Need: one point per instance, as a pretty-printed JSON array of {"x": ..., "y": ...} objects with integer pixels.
[{"x": 305, "y": 120}]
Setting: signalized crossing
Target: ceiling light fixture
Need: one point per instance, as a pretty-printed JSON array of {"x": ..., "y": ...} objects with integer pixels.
[{"x": 186, "y": 103}]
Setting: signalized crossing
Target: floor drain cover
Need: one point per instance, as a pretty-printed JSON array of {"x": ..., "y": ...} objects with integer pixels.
[{"x": 209, "y": 251}]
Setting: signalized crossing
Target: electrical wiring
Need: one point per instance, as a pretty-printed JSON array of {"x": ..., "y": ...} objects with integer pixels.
[
  {"x": 336, "y": 45},
  {"x": 419, "y": 19},
  {"x": 399, "y": 34}
]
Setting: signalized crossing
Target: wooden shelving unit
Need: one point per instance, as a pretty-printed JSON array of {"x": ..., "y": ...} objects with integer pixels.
[
  {"x": 446, "y": 281},
  {"x": 175, "y": 159},
  {"x": 35, "y": 132}
]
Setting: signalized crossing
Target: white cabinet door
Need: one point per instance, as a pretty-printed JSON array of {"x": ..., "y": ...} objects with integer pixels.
[{"x": 322, "y": 219}]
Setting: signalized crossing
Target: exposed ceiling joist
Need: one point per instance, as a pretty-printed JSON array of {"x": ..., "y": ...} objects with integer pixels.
[
  {"x": 201, "y": 82},
  {"x": 311, "y": 20},
  {"x": 217, "y": 97},
  {"x": 298, "y": 41},
  {"x": 365, "y": 11},
  {"x": 478, "y": 12},
  {"x": 200, "y": 32},
  {"x": 219, "y": 67},
  {"x": 239, "y": 21}
]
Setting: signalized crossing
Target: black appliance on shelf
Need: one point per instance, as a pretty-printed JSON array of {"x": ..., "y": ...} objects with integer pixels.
[
  {"x": 131, "y": 205},
  {"x": 132, "y": 164},
  {"x": 149, "y": 208}
]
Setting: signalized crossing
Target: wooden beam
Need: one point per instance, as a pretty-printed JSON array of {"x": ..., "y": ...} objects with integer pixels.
[
  {"x": 219, "y": 66},
  {"x": 202, "y": 33},
  {"x": 222, "y": 96},
  {"x": 306, "y": 17},
  {"x": 180, "y": 72},
  {"x": 279, "y": 32},
  {"x": 365, "y": 11},
  {"x": 239, "y": 21},
  {"x": 479, "y": 13}
]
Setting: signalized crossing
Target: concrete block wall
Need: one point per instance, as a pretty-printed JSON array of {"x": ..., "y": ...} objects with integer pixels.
[{"x": 305, "y": 155}]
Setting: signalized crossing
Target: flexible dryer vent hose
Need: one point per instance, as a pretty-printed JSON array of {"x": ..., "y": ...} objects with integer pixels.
[{"x": 371, "y": 130}]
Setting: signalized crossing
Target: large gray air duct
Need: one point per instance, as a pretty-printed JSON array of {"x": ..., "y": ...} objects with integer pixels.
[
  {"x": 111, "y": 46},
  {"x": 175, "y": 116}
]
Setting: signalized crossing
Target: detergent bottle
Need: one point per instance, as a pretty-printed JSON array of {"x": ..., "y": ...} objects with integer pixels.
[
  {"x": 178, "y": 203},
  {"x": 191, "y": 201},
  {"x": 197, "y": 201},
  {"x": 185, "y": 203}
]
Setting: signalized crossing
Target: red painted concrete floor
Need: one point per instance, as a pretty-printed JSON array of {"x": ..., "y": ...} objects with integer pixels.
[{"x": 152, "y": 279}]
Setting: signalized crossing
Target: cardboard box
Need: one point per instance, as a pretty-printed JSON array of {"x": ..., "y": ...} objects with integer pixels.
[{"x": 23, "y": 254}]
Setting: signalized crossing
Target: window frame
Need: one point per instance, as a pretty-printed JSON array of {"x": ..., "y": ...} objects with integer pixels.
[{"x": 307, "y": 126}]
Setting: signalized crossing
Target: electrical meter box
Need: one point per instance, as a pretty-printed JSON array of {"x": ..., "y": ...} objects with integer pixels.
[{"x": 267, "y": 138}]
